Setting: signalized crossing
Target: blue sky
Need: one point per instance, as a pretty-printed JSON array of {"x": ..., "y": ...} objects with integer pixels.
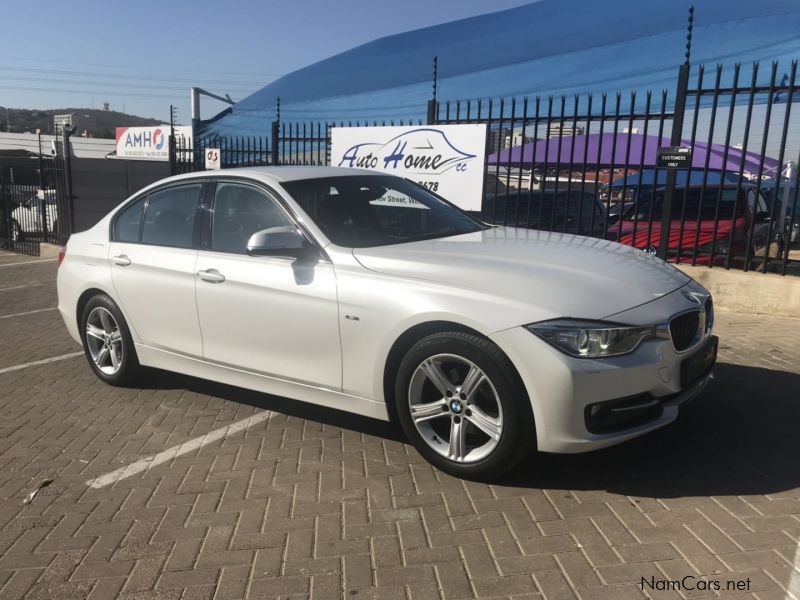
[{"x": 143, "y": 55}]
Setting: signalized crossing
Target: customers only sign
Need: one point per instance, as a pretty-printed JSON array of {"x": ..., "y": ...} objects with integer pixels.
[{"x": 446, "y": 159}]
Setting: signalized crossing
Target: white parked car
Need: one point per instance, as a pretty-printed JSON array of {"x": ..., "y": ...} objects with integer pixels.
[
  {"x": 27, "y": 217},
  {"x": 366, "y": 293}
]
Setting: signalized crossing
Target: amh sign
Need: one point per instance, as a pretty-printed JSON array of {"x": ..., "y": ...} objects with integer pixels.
[
  {"x": 148, "y": 143},
  {"x": 446, "y": 159}
]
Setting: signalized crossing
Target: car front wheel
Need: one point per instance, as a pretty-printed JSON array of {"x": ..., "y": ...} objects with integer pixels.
[
  {"x": 107, "y": 342},
  {"x": 462, "y": 405}
]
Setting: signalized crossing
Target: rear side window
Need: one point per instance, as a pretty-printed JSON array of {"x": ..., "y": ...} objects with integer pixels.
[
  {"x": 170, "y": 215},
  {"x": 129, "y": 223}
]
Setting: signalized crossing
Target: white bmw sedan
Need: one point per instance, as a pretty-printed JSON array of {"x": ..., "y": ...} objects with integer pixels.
[{"x": 366, "y": 293}]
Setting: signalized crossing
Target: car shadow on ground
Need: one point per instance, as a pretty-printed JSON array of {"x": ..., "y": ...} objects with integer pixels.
[
  {"x": 160, "y": 380},
  {"x": 740, "y": 437}
]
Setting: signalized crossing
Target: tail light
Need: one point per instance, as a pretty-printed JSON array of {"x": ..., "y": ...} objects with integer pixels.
[{"x": 62, "y": 252}]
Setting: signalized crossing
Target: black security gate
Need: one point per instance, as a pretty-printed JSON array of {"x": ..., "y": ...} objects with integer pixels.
[
  {"x": 590, "y": 165},
  {"x": 35, "y": 200}
]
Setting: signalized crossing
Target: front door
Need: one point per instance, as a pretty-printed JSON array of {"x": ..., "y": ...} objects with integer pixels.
[
  {"x": 153, "y": 260},
  {"x": 272, "y": 315}
]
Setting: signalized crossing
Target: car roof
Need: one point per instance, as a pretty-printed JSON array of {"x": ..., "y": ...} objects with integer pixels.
[{"x": 275, "y": 174}]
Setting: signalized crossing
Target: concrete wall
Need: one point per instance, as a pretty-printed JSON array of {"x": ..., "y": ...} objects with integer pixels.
[{"x": 754, "y": 293}]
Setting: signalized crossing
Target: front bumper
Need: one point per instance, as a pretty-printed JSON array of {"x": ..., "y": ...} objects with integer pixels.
[{"x": 563, "y": 389}]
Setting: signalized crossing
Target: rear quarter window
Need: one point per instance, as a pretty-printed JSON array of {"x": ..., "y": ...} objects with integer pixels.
[{"x": 128, "y": 224}]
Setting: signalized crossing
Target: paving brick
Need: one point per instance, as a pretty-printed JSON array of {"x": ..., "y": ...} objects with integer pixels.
[
  {"x": 307, "y": 505},
  {"x": 554, "y": 586},
  {"x": 577, "y": 569},
  {"x": 513, "y": 585},
  {"x": 454, "y": 581}
]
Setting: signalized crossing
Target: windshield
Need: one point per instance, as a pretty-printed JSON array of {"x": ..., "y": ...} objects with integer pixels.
[{"x": 360, "y": 211}]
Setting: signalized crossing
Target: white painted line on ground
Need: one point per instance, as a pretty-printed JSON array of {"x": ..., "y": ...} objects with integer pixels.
[
  {"x": 19, "y": 287},
  {"x": 167, "y": 455},
  {"x": 793, "y": 588},
  {"x": 28, "y": 312},
  {"x": 44, "y": 361},
  {"x": 28, "y": 262}
]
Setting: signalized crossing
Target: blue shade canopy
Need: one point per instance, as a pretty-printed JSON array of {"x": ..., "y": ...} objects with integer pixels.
[{"x": 548, "y": 47}]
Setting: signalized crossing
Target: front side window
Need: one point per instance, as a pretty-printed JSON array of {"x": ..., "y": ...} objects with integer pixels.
[
  {"x": 170, "y": 215},
  {"x": 239, "y": 212},
  {"x": 129, "y": 223},
  {"x": 359, "y": 211}
]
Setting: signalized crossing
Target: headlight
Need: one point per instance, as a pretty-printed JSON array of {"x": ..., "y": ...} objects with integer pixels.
[
  {"x": 720, "y": 247},
  {"x": 591, "y": 339}
]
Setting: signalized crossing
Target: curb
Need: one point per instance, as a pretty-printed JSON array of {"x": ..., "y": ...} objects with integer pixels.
[
  {"x": 49, "y": 250},
  {"x": 749, "y": 292}
]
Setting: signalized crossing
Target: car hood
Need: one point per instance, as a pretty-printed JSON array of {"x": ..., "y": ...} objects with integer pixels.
[{"x": 558, "y": 275}]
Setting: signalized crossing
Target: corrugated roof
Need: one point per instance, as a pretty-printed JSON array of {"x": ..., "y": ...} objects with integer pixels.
[{"x": 548, "y": 47}]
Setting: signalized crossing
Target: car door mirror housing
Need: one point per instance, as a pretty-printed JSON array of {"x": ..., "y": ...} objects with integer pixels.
[
  {"x": 278, "y": 241},
  {"x": 762, "y": 217}
]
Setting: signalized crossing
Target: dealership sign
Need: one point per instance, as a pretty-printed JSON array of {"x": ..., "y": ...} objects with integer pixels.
[
  {"x": 148, "y": 143},
  {"x": 446, "y": 159}
]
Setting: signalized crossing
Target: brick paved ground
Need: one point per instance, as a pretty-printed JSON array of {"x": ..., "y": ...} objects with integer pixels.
[{"x": 316, "y": 503}]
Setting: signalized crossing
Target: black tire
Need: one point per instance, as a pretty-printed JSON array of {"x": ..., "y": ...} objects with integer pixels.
[
  {"x": 129, "y": 370},
  {"x": 518, "y": 434}
]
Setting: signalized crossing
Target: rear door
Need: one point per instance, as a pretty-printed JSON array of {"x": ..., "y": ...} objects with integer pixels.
[{"x": 153, "y": 257}]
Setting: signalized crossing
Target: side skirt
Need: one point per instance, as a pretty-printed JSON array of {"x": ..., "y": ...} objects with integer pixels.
[{"x": 169, "y": 361}]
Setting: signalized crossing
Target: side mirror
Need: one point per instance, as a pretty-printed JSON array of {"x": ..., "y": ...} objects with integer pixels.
[
  {"x": 278, "y": 241},
  {"x": 762, "y": 217}
]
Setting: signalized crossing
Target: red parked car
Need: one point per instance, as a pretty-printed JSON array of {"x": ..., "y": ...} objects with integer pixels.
[{"x": 699, "y": 224}]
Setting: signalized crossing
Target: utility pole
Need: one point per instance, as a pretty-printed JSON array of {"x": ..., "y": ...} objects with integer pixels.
[
  {"x": 194, "y": 100},
  {"x": 67, "y": 145},
  {"x": 675, "y": 140},
  {"x": 172, "y": 141},
  {"x": 432, "y": 103}
]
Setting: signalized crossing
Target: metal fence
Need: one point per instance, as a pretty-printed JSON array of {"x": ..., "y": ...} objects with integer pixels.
[
  {"x": 241, "y": 151},
  {"x": 35, "y": 201},
  {"x": 309, "y": 143},
  {"x": 590, "y": 164}
]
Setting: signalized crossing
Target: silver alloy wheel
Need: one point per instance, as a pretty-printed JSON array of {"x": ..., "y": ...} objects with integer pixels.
[
  {"x": 104, "y": 340},
  {"x": 455, "y": 408}
]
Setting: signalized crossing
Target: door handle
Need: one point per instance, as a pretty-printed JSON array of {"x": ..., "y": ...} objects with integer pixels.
[
  {"x": 122, "y": 260},
  {"x": 211, "y": 276}
]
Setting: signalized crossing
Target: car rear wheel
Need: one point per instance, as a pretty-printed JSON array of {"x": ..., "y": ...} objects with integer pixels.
[
  {"x": 107, "y": 342},
  {"x": 462, "y": 405}
]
